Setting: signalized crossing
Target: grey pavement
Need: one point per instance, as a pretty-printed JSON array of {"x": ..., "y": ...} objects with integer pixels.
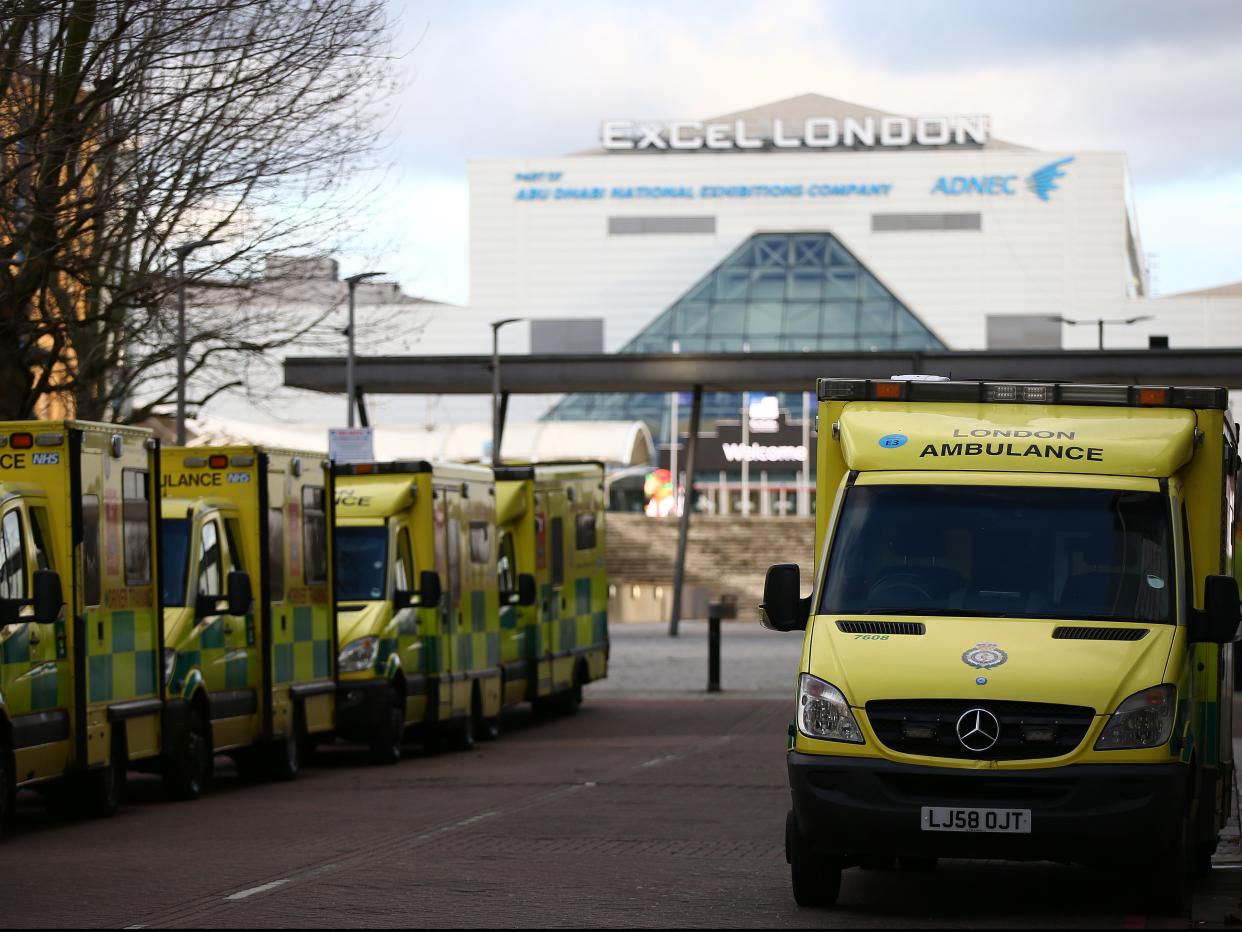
[{"x": 645, "y": 661}]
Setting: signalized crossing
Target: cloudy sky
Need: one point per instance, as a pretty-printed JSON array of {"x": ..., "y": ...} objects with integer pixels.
[{"x": 492, "y": 79}]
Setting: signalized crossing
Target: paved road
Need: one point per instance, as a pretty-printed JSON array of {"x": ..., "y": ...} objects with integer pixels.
[{"x": 636, "y": 812}]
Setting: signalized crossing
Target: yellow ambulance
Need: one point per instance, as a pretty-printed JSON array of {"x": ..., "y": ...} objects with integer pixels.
[
  {"x": 417, "y": 610},
  {"x": 247, "y": 604},
  {"x": 1019, "y": 640},
  {"x": 80, "y": 692},
  {"x": 553, "y": 580}
]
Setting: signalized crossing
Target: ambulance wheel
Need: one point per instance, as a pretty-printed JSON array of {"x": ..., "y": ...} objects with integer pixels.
[
  {"x": 190, "y": 767},
  {"x": 386, "y": 745},
  {"x": 1171, "y": 881},
  {"x": 488, "y": 729},
  {"x": 459, "y": 734},
  {"x": 570, "y": 701},
  {"x": 917, "y": 865},
  {"x": 105, "y": 785},
  {"x": 816, "y": 878}
]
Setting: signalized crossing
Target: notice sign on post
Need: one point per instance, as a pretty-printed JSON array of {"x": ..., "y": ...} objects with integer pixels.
[{"x": 351, "y": 444}]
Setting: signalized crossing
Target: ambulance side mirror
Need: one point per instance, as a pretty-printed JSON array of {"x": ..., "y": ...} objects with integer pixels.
[
  {"x": 783, "y": 608},
  {"x": 49, "y": 598},
  {"x": 526, "y": 589},
  {"x": 1218, "y": 622},
  {"x": 429, "y": 590},
  {"x": 240, "y": 595}
]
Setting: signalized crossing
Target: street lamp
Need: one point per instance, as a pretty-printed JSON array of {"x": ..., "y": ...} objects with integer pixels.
[
  {"x": 352, "y": 282},
  {"x": 1101, "y": 321},
  {"x": 496, "y": 325},
  {"x": 181, "y": 252}
]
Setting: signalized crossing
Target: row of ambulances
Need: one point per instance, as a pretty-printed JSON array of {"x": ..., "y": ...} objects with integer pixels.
[
  {"x": 160, "y": 607},
  {"x": 1019, "y": 643}
]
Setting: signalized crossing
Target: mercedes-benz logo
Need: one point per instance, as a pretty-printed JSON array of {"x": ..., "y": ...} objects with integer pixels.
[{"x": 978, "y": 730}]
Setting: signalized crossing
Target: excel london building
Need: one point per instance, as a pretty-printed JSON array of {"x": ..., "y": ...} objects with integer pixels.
[{"x": 809, "y": 224}]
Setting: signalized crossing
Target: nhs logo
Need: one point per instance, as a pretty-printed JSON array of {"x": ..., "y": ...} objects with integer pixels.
[{"x": 1041, "y": 182}]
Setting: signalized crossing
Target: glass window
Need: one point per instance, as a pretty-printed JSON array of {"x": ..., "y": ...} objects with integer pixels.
[
  {"x": 12, "y": 557},
  {"x": 1002, "y": 552},
  {"x": 232, "y": 533},
  {"x": 764, "y": 320},
  {"x": 361, "y": 555},
  {"x": 692, "y": 318},
  {"x": 175, "y": 552},
  {"x": 91, "y": 581},
  {"x": 584, "y": 532},
  {"x": 315, "y": 534},
  {"x": 838, "y": 256},
  {"x": 870, "y": 288},
  {"x": 810, "y": 250},
  {"x": 403, "y": 566},
  {"x": 768, "y": 285},
  {"x": 41, "y": 532},
  {"x": 480, "y": 550},
  {"x": 801, "y": 319},
  {"x": 729, "y": 320},
  {"x": 276, "y": 553},
  {"x": 558, "y": 551},
  {"x": 875, "y": 342},
  {"x": 136, "y": 524},
  {"x": 731, "y": 284},
  {"x": 842, "y": 283},
  {"x": 805, "y": 285},
  {"x": 731, "y": 344},
  {"x": 840, "y": 319},
  {"x": 209, "y": 564},
  {"x": 771, "y": 251},
  {"x": 877, "y": 317},
  {"x": 506, "y": 567}
]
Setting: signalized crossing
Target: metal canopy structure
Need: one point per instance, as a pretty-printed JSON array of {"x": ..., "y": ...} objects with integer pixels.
[
  {"x": 772, "y": 372},
  {"x": 648, "y": 372}
]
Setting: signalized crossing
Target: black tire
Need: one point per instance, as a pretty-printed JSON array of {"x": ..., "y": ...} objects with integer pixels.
[
  {"x": 917, "y": 865},
  {"x": 1170, "y": 884},
  {"x": 103, "y": 787},
  {"x": 1203, "y": 859},
  {"x": 388, "y": 739},
  {"x": 189, "y": 770},
  {"x": 488, "y": 729},
  {"x": 570, "y": 701},
  {"x": 816, "y": 878},
  {"x": 459, "y": 734},
  {"x": 877, "y": 864}
]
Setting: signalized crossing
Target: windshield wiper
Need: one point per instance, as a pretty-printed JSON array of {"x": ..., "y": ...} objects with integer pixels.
[{"x": 947, "y": 612}]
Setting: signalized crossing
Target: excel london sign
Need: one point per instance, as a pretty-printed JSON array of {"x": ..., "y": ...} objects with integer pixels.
[{"x": 892, "y": 132}]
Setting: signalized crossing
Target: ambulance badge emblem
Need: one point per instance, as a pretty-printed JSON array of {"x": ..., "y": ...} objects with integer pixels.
[{"x": 984, "y": 656}]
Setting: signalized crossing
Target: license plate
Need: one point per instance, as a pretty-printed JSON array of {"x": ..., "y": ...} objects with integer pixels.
[{"x": 955, "y": 819}]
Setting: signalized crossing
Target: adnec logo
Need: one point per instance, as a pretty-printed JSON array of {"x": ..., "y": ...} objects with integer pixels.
[{"x": 1041, "y": 182}]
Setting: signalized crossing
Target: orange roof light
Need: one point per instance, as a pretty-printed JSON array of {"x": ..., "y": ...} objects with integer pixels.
[
  {"x": 1153, "y": 396},
  {"x": 22, "y": 441},
  {"x": 891, "y": 390},
  {"x": 218, "y": 461}
]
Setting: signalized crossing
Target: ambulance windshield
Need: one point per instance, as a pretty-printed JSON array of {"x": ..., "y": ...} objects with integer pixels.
[
  {"x": 175, "y": 554},
  {"x": 361, "y": 555},
  {"x": 1002, "y": 552}
]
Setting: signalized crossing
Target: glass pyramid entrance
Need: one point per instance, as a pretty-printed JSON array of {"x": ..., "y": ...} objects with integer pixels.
[{"x": 777, "y": 292}]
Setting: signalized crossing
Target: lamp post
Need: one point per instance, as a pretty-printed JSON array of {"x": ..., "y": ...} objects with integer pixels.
[
  {"x": 496, "y": 325},
  {"x": 1100, "y": 322},
  {"x": 352, "y": 282},
  {"x": 181, "y": 252}
]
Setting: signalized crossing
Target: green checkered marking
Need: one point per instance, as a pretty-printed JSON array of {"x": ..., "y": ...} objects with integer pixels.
[
  {"x": 17, "y": 648},
  {"x": 509, "y": 617},
  {"x": 582, "y": 596},
  {"x": 44, "y": 690},
  {"x": 303, "y": 624},
  {"x": 569, "y": 633},
  {"x": 465, "y": 648},
  {"x": 432, "y": 662},
  {"x": 212, "y": 637},
  {"x": 99, "y": 669},
  {"x": 323, "y": 659},
  {"x": 235, "y": 671},
  {"x": 478, "y": 611},
  {"x": 122, "y": 632},
  {"x": 283, "y": 657},
  {"x": 599, "y": 627}
]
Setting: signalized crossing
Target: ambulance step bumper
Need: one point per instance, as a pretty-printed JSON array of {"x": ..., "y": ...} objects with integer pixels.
[{"x": 864, "y": 808}]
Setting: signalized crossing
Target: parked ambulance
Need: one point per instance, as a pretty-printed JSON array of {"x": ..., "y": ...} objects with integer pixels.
[
  {"x": 418, "y": 627},
  {"x": 553, "y": 580},
  {"x": 247, "y": 603},
  {"x": 1019, "y": 640},
  {"x": 81, "y": 696}
]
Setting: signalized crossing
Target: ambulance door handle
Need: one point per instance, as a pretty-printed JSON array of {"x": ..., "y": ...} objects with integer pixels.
[{"x": 32, "y": 636}]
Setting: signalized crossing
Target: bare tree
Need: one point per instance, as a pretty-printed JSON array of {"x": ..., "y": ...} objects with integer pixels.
[{"x": 130, "y": 127}]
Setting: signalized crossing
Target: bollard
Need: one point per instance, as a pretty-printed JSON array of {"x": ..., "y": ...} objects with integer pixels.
[{"x": 724, "y": 607}]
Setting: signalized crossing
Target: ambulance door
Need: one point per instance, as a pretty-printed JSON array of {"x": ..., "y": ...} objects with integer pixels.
[
  {"x": 553, "y": 601},
  {"x": 243, "y": 659},
  {"x": 31, "y": 674},
  {"x": 405, "y": 621},
  {"x": 454, "y": 700},
  {"x": 224, "y": 660}
]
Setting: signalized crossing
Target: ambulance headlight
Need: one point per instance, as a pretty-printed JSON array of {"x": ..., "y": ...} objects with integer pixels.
[
  {"x": 1145, "y": 720},
  {"x": 170, "y": 663},
  {"x": 824, "y": 713},
  {"x": 358, "y": 655}
]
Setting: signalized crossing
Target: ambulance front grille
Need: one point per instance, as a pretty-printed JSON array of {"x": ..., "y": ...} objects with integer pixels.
[
  {"x": 882, "y": 627},
  {"x": 1082, "y": 633},
  {"x": 1028, "y": 730}
]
